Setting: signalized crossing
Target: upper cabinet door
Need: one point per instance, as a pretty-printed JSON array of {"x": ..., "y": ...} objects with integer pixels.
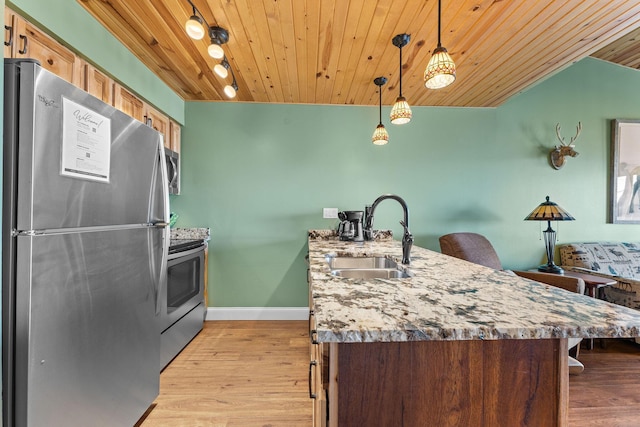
[
  {"x": 158, "y": 121},
  {"x": 30, "y": 42},
  {"x": 98, "y": 84},
  {"x": 9, "y": 33},
  {"x": 174, "y": 143},
  {"x": 127, "y": 102}
]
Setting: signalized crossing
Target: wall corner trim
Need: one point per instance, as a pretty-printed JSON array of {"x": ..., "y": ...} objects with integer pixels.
[{"x": 257, "y": 313}]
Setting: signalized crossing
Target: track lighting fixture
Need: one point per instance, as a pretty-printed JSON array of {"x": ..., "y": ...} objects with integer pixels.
[
  {"x": 401, "y": 112},
  {"x": 222, "y": 69},
  {"x": 441, "y": 70},
  {"x": 231, "y": 90},
  {"x": 195, "y": 28},
  {"x": 380, "y": 135},
  {"x": 219, "y": 36}
]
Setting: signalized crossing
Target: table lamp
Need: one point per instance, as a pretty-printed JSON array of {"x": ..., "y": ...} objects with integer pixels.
[{"x": 549, "y": 211}]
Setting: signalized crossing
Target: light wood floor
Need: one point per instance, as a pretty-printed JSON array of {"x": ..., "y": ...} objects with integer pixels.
[
  {"x": 238, "y": 374},
  {"x": 255, "y": 374}
]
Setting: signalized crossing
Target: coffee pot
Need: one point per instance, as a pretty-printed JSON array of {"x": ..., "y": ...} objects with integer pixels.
[{"x": 350, "y": 227}]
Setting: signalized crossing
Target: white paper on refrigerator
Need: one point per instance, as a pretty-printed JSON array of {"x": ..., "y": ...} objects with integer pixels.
[{"x": 86, "y": 143}]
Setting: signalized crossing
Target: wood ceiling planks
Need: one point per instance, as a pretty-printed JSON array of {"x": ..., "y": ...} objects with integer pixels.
[{"x": 329, "y": 51}]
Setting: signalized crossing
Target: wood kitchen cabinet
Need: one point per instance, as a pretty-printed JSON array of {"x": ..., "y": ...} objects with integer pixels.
[
  {"x": 127, "y": 102},
  {"x": 174, "y": 139},
  {"x": 318, "y": 382},
  {"x": 8, "y": 33},
  {"x": 98, "y": 84},
  {"x": 438, "y": 383},
  {"x": 24, "y": 40},
  {"x": 318, "y": 368},
  {"x": 206, "y": 275},
  {"x": 158, "y": 121}
]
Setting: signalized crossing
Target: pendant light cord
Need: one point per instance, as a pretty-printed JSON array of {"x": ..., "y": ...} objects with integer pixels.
[
  {"x": 380, "y": 104},
  {"x": 196, "y": 12},
  {"x": 400, "y": 71},
  {"x": 439, "y": 15}
]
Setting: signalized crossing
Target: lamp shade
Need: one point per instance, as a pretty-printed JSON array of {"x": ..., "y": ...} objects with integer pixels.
[
  {"x": 215, "y": 50},
  {"x": 380, "y": 135},
  {"x": 401, "y": 112},
  {"x": 440, "y": 71},
  {"x": 194, "y": 27},
  {"x": 549, "y": 211},
  {"x": 221, "y": 70},
  {"x": 230, "y": 91}
]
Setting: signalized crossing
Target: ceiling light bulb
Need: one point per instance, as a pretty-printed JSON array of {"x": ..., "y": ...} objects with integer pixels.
[
  {"x": 221, "y": 71},
  {"x": 380, "y": 135},
  {"x": 230, "y": 91},
  {"x": 215, "y": 51},
  {"x": 441, "y": 70},
  {"x": 401, "y": 112},
  {"x": 194, "y": 28}
]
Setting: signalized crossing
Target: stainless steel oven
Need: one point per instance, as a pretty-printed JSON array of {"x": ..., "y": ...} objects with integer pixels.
[{"x": 182, "y": 307}]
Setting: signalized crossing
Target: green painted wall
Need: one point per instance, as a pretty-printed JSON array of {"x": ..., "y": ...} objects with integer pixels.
[
  {"x": 76, "y": 28},
  {"x": 259, "y": 176}
]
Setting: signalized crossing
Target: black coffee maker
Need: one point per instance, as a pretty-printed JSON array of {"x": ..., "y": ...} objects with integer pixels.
[{"x": 350, "y": 227}]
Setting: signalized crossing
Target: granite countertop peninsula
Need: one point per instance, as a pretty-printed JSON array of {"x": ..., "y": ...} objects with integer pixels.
[
  {"x": 190, "y": 234},
  {"x": 448, "y": 299}
]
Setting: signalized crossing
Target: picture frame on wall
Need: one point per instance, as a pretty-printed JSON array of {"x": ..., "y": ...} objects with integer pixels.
[{"x": 625, "y": 172}]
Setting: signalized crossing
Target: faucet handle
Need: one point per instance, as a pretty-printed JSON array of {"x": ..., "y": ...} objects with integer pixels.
[{"x": 406, "y": 228}]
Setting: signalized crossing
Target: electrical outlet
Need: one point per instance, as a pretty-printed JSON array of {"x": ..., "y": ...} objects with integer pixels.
[{"x": 330, "y": 213}]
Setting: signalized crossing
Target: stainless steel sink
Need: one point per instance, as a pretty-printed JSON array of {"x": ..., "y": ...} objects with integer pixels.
[
  {"x": 373, "y": 267},
  {"x": 371, "y": 273},
  {"x": 337, "y": 262}
]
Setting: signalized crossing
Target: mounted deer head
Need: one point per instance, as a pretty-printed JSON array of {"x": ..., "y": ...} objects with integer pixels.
[{"x": 557, "y": 155}]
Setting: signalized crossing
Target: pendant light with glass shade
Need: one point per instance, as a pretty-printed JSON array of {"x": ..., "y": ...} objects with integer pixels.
[
  {"x": 441, "y": 70},
  {"x": 401, "y": 112},
  {"x": 380, "y": 135}
]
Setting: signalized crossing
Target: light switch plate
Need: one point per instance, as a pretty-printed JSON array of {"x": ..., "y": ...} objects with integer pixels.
[{"x": 329, "y": 212}]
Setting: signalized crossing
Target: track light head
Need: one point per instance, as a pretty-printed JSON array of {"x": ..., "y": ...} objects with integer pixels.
[
  {"x": 194, "y": 27},
  {"x": 231, "y": 90},
  {"x": 219, "y": 36},
  {"x": 222, "y": 69}
]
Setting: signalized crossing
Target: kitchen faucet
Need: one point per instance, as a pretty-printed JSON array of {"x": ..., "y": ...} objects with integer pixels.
[{"x": 407, "y": 238}]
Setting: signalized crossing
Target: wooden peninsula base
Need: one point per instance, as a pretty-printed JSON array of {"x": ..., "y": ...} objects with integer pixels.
[{"x": 447, "y": 383}]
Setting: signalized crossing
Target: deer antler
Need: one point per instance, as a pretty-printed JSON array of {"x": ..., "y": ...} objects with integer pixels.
[
  {"x": 573, "y": 139},
  {"x": 560, "y": 138},
  {"x": 578, "y": 130}
]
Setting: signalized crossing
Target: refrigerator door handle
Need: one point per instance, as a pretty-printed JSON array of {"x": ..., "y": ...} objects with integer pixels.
[
  {"x": 164, "y": 223},
  {"x": 162, "y": 277}
]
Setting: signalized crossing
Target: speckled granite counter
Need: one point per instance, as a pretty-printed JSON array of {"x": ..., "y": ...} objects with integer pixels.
[
  {"x": 191, "y": 233},
  {"x": 448, "y": 299}
]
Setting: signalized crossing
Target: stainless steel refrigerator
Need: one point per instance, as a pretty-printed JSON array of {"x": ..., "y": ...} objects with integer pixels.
[{"x": 85, "y": 240}]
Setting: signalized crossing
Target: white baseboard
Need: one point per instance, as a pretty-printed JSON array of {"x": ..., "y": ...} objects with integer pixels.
[{"x": 257, "y": 313}]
